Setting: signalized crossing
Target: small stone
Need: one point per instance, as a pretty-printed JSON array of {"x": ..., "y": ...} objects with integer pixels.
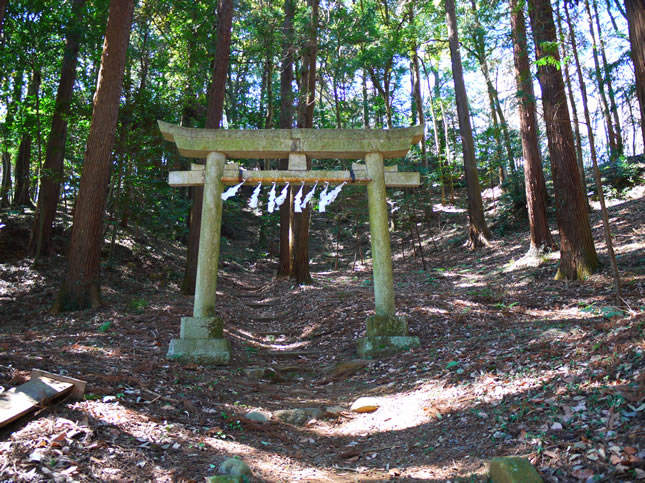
[
  {"x": 254, "y": 373},
  {"x": 556, "y": 426},
  {"x": 513, "y": 469},
  {"x": 346, "y": 368},
  {"x": 365, "y": 405},
  {"x": 298, "y": 417},
  {"x": 334, "y": 410},
  {"x": 225, "y": 479},
  {"x": 235, "y": 467},
  {"x": 257, "y": 416}
]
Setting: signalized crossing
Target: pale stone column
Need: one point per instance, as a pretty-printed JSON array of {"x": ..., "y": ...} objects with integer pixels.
[
  {"x": 380, "y": 236},
  {"x": 386, "y": 333},
  {"x": 209, "y": 237},
  {"x": 201, "y": 336}
]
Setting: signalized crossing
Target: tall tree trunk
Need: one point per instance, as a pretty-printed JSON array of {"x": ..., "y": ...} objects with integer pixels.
[
  {"x": 22, "y": 194},
  {"x": 506, "y": 135},
  {"x": 437, "y": 143},
  {"x": 3, "y": 9},
  {"x": 611, "y": 132},
  {"x": 478, "y": 234},
  {"x": 610, "y": 88},
  {"x": 578, "y": 257},
  {"x": 572, "y": 103},
  {"x": 40, "y": 242},
  {"x": 366, "y": 109},
  {"x": 81, "y": 286},
  {"x": 214, "y": 112},
  {"x": 541, "y": 239},
  {"x": 418, "y": 99},
  {"x": 285, "y": 265},
  {"x": 308, "y": 88},
  {"x": 6, "y": 180},
  {"x": 479, "y": 42},
  {"x": 594, "y": 160},
  {"x": 635, "y": 10}
]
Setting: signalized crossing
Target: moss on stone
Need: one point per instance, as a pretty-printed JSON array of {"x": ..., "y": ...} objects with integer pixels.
[{"x": 513, "y": 469}]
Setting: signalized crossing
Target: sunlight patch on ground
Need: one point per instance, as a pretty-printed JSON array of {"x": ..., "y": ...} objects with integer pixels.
[
  {"x": 434, "y": 401},
  {"x": 438, "y": 207},
  {"x": 532, "y": 261}
]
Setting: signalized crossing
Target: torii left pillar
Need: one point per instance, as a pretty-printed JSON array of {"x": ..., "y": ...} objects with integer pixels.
[{"x": 202, "y": 335}]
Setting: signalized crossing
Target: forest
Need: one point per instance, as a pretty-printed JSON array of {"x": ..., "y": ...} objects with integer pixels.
[{"x": 518, "y": 263}]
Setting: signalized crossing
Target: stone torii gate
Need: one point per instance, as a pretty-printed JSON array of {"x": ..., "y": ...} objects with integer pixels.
[{"x": 202, "y": 335}]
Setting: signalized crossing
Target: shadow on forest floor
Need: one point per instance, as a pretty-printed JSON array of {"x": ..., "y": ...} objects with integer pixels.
[{"x": 511, "y": 362}]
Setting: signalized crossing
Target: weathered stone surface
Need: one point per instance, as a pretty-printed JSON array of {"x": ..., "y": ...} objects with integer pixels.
[
  {"x": 203, "y": 351},
  {"x": 389, "y": 325},
  {"x": 298, "y": 417},
  {"x": 201, "y": 328},
  {"x": 334, "y": 411},
  {"x": 370, "y": 347},
  {"x": 257, "y": 416},
  {"x": 235, "y": 467},
  {"x": 365, "y": 405},
  {"x": 254, "y": 373},
  {"x": 225, "y": 479},
  {"x": 513, "y": 469},
  {"x": 279, "y": 143}
]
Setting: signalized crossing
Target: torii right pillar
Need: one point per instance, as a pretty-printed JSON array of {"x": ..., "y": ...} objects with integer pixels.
[{"x": 386, "y": 332}]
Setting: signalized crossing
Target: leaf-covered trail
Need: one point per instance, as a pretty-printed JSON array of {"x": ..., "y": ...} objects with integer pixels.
[{"x": 511, "y": 362}]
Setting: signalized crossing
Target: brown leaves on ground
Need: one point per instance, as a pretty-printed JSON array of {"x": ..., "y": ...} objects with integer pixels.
[{"x": 511, "y": 363}]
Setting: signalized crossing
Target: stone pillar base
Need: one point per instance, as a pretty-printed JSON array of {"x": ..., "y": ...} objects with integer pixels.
[
  {"x": 205, "y": 351},
  {"x": 383, "y": 345},
  {"x": 201, "y": 328},
  {"x": 390, "y": 325}
]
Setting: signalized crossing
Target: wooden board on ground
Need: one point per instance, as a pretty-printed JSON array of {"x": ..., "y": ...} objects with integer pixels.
[{"x": 41, "y": 388}]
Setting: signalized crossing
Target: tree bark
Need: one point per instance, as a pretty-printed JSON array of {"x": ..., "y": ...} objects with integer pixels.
[
  {"x": 6, "y": 180},
  {"x": 572, "y": 103},
  {"x": 437, "y": 143},
  {"x": 301, "y": 272},
  {"x": 578, "y": 257},
  {"x": 594, "y": 160},
  {"x": 22, "y": 193},
  {"x": 40, "y": 242},
  {"x": 540, "y": 235},
  {"x": 3, "y": 9},
  {"x": 478, "y": 234},
  {"x": 635, "y": 10},
  {"x": 81, "y": 286},
  {"x": 610, "y": 88},
  {"x": 285, "y": 265},
  {"x": 600, "y": 79},
  {"x": 214, "y": 113}
]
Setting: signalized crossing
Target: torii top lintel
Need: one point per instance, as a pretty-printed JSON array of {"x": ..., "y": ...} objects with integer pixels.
[{"x": 279, "y": 143}]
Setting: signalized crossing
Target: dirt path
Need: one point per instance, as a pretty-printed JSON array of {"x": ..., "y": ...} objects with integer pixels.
[{"x": 511, "y": 362}]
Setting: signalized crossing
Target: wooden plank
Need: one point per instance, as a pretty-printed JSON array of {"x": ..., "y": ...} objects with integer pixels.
[
  {"x": 195, "y": 177},
  {"x": 79, "y": 386},
  {"x": 18, "y": 401}
]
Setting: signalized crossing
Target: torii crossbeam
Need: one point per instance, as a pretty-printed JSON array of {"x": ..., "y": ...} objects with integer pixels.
[{"x": 202, "y": 335}]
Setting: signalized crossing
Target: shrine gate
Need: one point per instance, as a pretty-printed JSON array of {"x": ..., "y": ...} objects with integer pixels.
[{"x": 202, "y": 335}]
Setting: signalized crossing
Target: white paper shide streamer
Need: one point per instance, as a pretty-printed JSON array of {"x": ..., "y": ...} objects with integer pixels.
[
  {"x": 322, "y": 203},
  {"x": 308, "y": 197},
  {"x": 272, "y": 199},
  {"x": 283, "y": 195},
  {"x": 296, "y": 201},
  {"x": 253, "y": 202},
  {"x": 331, "y": 197},
  {"x": 232, "y": 191}
]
